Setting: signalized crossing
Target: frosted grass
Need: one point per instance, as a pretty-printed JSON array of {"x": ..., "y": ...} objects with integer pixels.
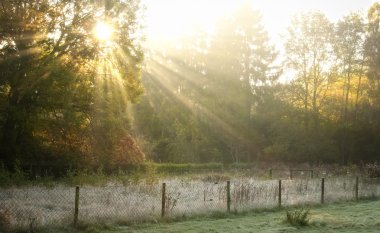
[
  {"x": 36, "y": 206},
  {"x": 41, "y": 206}
]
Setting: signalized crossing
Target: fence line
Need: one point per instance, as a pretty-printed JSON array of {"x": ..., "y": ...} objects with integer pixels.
[
  {"x": 76, "y": 208},
  {"x": 279, "y": 193},
  {"x": 26, "y": 207},
  {"x": 163, "y": 199}
]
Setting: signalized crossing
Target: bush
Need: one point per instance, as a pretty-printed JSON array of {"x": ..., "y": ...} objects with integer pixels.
[
  {"x": 7, "y": 178},
  {"x": 298, "y": 217}
]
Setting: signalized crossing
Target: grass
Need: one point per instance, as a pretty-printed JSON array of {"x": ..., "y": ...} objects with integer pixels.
[
  {"x": 343, "y": 217},
  {"x": 116, "y": 203},
  {"x": 135, "y": 197},
  {"x": 153, "y": 171},
  {"x": 298, "y": 217}
]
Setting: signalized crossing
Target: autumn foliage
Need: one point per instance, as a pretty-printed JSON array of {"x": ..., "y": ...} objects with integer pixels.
[{"x": 127, "y": 152}]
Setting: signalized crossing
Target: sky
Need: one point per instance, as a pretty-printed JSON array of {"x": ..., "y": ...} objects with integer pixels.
[{"x": 168, "y": 20}]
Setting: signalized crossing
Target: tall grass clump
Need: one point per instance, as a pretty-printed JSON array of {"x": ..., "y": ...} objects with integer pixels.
[
  {"x": 7, "y": 178},
  {"x": 171, "y": 168},
  {"x": 373, "y": 170},
  {"x": 298, "y": 218},
  {"x": 85, "y": 177},
  {"x": 5, "y": 218}
]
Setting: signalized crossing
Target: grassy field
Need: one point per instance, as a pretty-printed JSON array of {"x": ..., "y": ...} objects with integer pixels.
[
  {"x": 36, "y": 207},
  {"x": 345, "y": 217}
]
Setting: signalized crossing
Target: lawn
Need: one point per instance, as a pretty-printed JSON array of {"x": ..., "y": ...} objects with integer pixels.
[{"x": 344, "y": 217}]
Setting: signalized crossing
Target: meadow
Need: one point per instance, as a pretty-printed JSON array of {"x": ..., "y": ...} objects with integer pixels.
[
  {"x": 343, "y": 217},
  {"x": 140, "y": 201}
]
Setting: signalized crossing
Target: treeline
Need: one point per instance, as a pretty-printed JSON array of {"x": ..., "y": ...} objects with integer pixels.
[
  {"x": 65, "y": 98},
  {"x": 219, "y": 98}
]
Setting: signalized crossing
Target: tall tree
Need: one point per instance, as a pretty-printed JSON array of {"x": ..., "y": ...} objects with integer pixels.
[
  {"x": 348, "y": 46},
  {"x": 308, "y": 54},
  {"x": 372, "y": 51},
  {"x": 241, "y": 47},
  {"x": 48, "y": 55}
]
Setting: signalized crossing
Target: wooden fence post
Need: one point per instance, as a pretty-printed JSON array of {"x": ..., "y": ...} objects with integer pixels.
[
  {"x": 76, "y": 208},
  {"x": 323, "y": 191},
  {"x": 279, "y": 194},
  {"x": 312, "y": 174},
  {"x": 357, "y": 189},
  {"x": 270, "y": 173},
  {"x": 291, "y": 174},
  {"x": 228, "y": 196},
  {"x": 163, "y": 199}
]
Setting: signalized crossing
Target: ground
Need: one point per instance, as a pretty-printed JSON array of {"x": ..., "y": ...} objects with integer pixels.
[{"x": 344, "y": 217}]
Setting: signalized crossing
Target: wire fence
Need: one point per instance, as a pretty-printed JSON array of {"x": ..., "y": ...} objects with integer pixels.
[{"x": 36, "y": 207}]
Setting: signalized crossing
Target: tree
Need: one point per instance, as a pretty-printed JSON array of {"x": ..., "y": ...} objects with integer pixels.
[
  {"x": 349, "y": 43},
  {"x": 308, "y": 54},
  {"x": 372, "y": 52},
  {"x": 241, "y": 47},
  {"x": 48, "y": 60},
  {"x": 348, "y": 46}
]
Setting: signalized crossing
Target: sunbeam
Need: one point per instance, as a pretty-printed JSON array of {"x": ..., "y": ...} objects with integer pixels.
[{"x": 165, "y": 76}]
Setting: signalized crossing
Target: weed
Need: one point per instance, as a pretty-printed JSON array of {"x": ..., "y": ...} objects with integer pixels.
[
  {"x": 98, "y": 178},
  {"x": 5, "y": 219},
  {"x": 215, "y": 178},
  {"x": 373, "y": 170},
  {"x": 151, "y": 174},
  {"x": 298, "y": 218},
  {"x": 5, "y": 176}
]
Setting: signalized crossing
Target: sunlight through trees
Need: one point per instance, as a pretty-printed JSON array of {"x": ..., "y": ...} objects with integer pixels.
[{"x": 84, "y": 86}]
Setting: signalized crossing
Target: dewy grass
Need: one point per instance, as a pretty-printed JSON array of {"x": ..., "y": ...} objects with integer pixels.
[
  {"x": 343, "y": 217},
  {"x": 115, "y": 202}
]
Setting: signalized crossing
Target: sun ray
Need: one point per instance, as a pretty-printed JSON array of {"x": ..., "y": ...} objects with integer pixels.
[{"x": 164, "y": 77}]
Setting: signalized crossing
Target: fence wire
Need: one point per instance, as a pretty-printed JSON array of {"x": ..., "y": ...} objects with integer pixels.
[{"x": 34, "y": 207}]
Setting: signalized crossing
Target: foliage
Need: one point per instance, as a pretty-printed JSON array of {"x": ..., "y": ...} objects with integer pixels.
[
  {"x": 128, "y": 153},
  {"x": 53, "y": 107},
  {"x": 299, "y": 217},
  {"x": 218, "y": 99},
  {"x": 65, "y": 97},
  {"x": 17, "y": 177},
  {"x": 208, "y": 120}
]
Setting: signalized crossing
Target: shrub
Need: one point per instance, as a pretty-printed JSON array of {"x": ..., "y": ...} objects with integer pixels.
[
  {"x": 5, "y": 176},
  {"x": 127, "y": 152},
  {"x": 298, "y": 217}
]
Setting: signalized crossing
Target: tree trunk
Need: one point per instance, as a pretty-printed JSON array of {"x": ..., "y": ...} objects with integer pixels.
[{"x": 358, "y": 93}]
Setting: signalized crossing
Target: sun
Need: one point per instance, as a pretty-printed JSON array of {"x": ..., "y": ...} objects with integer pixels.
[{"x": 103, "y": 31}]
